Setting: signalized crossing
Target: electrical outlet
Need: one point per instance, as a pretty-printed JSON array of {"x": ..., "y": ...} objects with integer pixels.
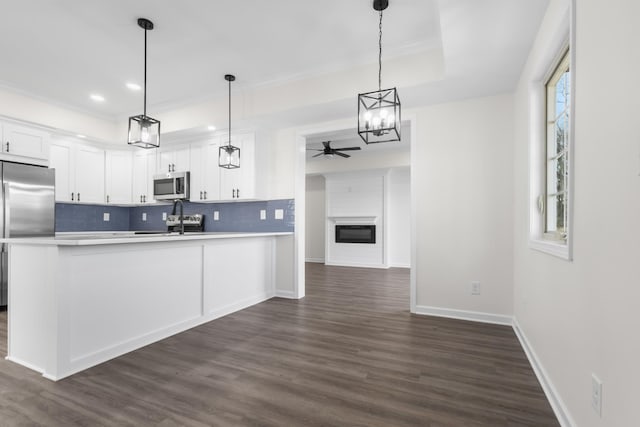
[
  {"x": 144, "y": 216},
  {"x": 475, "y": 288},
  {"x": 216, "y": 215},
  {"x": 164, "y": 216},
  {"x": 596, "y": 394},
  {"x": 263, "y": 214},
  {"x": 105, "y": 216},
  {"x": 279, "y": 214}
]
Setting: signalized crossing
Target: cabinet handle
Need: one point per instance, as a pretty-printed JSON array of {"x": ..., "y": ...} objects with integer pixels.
[
  {"x": 205, "y": 195},
  {"x": 144, "y": 199},
  {"x": 7, "y": 146},
  {"x": 237, "y": 193},
  {"x": 78, "y": 196},
  {"x": 173, "y": 166},
  {"x": 201, "y": 195},
  {"x": 233, "y": 193},
  {"x": 107, "y": 198},
  {"x": 72, "y": 199}
]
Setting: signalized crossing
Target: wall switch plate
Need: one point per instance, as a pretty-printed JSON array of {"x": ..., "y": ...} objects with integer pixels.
[
  {"x": 263, "y": 214},
  {"x": 596, "y": 395},
  {"x": 279, "y": 214},
  {"x": 164, "y": 216},
  {"x": 475, "y": 288},
  {"x": 144, "y": 216},
  {"x": 105, "y": 216},
  {"x": 216, "y": 215}
]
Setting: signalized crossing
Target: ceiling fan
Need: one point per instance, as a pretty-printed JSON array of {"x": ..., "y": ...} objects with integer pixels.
[{"x": 328, "y": 151}]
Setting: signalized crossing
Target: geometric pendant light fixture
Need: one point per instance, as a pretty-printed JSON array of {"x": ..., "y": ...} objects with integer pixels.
[
  {"x": 144, "y": 131},
  {"x": 379, "y": 111},
  {"x": 228, "y": 155}
]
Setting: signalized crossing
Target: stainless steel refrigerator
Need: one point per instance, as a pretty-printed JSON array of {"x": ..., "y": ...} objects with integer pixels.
[{"x": 27, "y": 208}]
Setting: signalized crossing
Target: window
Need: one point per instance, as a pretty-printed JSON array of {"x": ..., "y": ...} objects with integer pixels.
[{"x": 554, "y": 201}]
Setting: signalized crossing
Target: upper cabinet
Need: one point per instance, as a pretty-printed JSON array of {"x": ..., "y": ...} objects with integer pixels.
[
  {"x": 240, "y": 183},
  {"x": 22, "y": 141},
  {"x": 176, "y": 160},
  {"x": 79, "y": 172},
  {"x": 205, "y": 174},
  {"x": 144, "y": 167},
  {"x": 118, "y": 177}
]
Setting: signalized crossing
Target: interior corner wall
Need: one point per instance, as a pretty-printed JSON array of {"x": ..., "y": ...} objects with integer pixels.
[
  {"x": 462, "y": 168},
  {"x": 581, "y": 317},
  {"x": 315, "y": 218},
  {"x": 399, "y": 222}
]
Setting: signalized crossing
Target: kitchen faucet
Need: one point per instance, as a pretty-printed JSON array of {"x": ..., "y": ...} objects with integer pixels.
[{"x": 173, "y": 212}]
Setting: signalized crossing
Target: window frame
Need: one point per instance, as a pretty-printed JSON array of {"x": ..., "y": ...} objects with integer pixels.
[
  {"x": 559, "y": 39},
  {"x": 561, "y": 66}
]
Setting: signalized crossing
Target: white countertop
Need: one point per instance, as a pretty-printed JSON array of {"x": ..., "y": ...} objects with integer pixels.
[{"x": 124, "y": 237}]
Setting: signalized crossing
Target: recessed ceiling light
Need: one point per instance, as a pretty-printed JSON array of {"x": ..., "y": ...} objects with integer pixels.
[
  {"x": 211, "y": 127},
  {"x": 96, "y": 97},
  {"x": 134, "y": 86},
  {"x": 81, "y": 135}
]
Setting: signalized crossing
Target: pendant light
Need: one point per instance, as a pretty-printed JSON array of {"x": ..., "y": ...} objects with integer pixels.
[
  {"x": 144, "y": 131},
  {"x": 379, "y": 111},
  {"x": 228, "y": 155}
]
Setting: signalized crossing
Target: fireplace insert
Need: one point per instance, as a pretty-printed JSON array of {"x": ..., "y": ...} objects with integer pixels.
[{"x": 355, "y": 233}]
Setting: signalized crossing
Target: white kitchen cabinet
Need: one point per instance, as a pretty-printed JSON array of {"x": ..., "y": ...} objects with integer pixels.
[
  {"x": 61, "y": 159},
  {"x": 175, "y": 160},
  {"x": 89, "y": 168},
  {"x": 24, "y": 141},
  {"x": 144, "y": 167},
  {"x": 205, "y": 174},
  {"x": 118, "y": 176},
  {"x": 240, "y": 183},
  {"x": 79, "y": 172}
]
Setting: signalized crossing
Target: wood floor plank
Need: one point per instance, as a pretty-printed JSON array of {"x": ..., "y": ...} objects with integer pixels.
[{"x": 348, "y": 354}]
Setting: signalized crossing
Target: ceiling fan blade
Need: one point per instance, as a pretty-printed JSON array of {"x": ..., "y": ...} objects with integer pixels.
[
  {"x": 319, "y": 154},
  {"x": 341, "y": 154},
  {"x": 315, "y": 149},
  {"x": 346, "y": 149},
  {"x": 326, "y": 144}
]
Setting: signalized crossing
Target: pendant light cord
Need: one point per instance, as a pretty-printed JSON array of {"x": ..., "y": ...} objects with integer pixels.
[
  {"x": 380, "y": 54},
  {"x": 229, "y": 143},
  {"x": 145, "y": 73}
]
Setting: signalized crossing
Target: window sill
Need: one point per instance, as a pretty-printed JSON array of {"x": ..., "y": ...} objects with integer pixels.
[{"x": 552, "y": 248}]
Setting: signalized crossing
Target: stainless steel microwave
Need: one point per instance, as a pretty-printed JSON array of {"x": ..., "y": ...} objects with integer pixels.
[{"x": 171, "y": 186}]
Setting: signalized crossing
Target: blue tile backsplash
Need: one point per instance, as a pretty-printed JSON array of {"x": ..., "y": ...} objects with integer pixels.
[{"x": 233, "y": 216}]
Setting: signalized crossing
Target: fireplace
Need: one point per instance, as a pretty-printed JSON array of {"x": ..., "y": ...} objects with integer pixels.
[{"x": 356, "y": 234}]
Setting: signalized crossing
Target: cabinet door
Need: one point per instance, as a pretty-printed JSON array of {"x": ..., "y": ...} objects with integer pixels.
[
  {"x": 118, "y": 175},
  {"x": 143, "y": 171},
  {"x": 238, "y": 184},
  {"x": 60, "y": 159},
  {"x": 89, "y": 164},
  {"x": 211, "y": 183},
  {"x": 174, "y": 160},
  {"x": 24, "y": 141}
]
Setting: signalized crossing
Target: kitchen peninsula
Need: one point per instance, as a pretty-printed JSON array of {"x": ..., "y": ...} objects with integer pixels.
[{"x": 77, "y": 301}]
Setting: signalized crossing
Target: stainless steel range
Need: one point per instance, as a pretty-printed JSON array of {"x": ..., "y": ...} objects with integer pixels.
[{"x": 192, "y": 223}]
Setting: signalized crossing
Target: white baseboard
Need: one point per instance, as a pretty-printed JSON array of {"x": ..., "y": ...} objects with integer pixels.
[
  {"x": 558, "y": 406},
  {"x": 400, "y": 265},
  {"x": 348, "y": 264},
  {"x": 285, "y": 294},
  {"x": 475, "y": 316},
  {"x": 316, "y": 260}
]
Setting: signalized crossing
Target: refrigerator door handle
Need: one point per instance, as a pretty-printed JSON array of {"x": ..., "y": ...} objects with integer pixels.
[{"x": 6, "y": 212}]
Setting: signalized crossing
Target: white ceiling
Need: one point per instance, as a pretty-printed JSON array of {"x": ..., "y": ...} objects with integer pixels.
[{"x": 63, "y": 50}]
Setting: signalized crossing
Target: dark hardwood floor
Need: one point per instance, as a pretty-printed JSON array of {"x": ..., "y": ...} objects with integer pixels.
[{"x": 349, "y": 354}]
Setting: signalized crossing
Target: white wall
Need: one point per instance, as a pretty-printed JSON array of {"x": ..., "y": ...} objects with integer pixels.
[
  {"x": 581, "y": 317},
  {"x": 315, "y": 217},
  {"x": 462, "y": 168},
  {"x": 399, "y": 221}
]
